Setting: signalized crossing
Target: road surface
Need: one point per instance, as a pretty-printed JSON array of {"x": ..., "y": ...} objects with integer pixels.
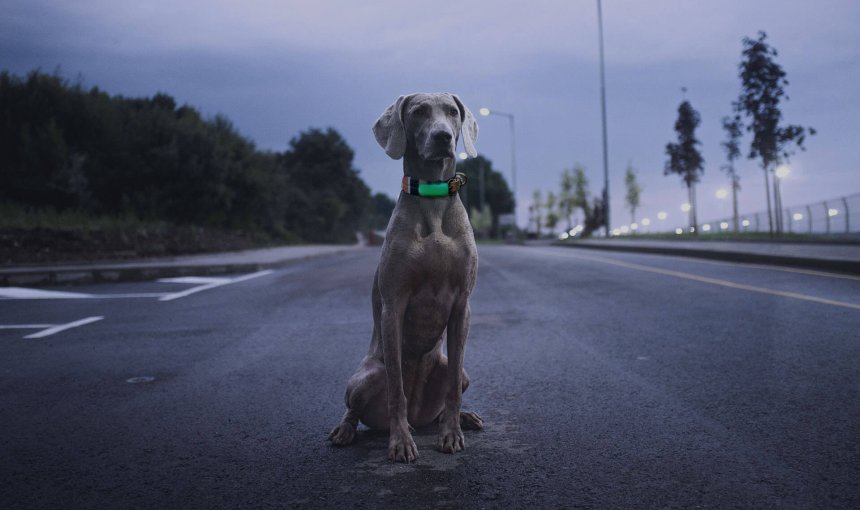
[{"x": 605, "y": 380}]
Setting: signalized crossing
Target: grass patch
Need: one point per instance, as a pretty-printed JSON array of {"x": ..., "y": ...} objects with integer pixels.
[{"x": 30, "y": 235}]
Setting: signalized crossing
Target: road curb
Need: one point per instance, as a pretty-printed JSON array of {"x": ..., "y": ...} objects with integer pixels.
[
  {"x": 128, "y": 272},
  {"x": 839, "y": 265}
]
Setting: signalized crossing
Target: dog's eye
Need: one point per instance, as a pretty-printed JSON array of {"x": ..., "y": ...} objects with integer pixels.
[
  {"x": 453, "y": 111},
  {"x": 419, "y": 111}
]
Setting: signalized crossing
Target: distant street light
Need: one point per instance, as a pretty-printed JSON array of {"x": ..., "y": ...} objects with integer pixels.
[
  {"x": 485, "y": 112},
  {"x": 463, "y": 155},
  {"x": 722, "y": 193},
  {"x": 782, "y": 171},
  {"x": 685, "y": 207},
  {"x": 662, "y": 215}
]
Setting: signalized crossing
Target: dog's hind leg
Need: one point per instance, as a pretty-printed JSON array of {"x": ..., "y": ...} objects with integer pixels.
[
  {"x": 366, "y": 397},
  {"x": 344, "y": 433},
  {"x": 470, "y": 420}
]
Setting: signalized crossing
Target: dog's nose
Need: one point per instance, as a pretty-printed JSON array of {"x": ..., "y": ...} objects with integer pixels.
[{"x": 442, "y": 137}]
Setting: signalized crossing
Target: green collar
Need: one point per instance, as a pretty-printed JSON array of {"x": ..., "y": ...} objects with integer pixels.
[{"x": 421, "y": 188}]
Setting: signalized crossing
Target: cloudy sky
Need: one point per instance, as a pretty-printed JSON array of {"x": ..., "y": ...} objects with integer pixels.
[{"x": 277, "y": 68}]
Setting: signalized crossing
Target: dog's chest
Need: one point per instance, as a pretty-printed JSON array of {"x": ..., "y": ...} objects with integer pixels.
[
  {"x": 441, "y": 272},
  {"x": 443, "y": 259}
]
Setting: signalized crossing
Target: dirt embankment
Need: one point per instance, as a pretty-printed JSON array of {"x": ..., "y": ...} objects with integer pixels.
[{"x": 86, "y": 244}]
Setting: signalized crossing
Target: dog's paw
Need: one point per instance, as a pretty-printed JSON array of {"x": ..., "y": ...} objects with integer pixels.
[
  {"x": 451, "y": 439},
  {"x": 343, "y": 434},
  {"x": 470, "y": 420},
  {"x": 401, "y": 447}
]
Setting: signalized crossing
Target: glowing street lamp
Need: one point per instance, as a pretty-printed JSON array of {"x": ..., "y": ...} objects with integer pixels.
[
  {"x": 486, "y": 112},
  {"x": 662, "y": 215},
  {"x": 685, "y": 207},
  {"x": 722, "y": 193}
]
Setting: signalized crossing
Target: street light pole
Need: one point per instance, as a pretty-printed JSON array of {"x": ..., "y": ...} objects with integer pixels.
[
  {"x": 485, "y": 112},
  {"x": 603, "y": 115}
]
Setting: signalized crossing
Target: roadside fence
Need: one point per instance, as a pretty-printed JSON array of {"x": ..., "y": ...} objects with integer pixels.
[{"x": 835, "y": 216}]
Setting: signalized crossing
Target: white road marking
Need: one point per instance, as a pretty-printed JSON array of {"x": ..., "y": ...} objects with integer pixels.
[
  {"x": 204, "y": 283},
  {"x": 796, "y": 270},
  {"x": 23, "y": 293},
  {"x": 211, "y": 283},
  {"x": 25, "y": 326},
  {"x": 705, "y": 279},
  {"x": 62, "y": 327},
  {"x": 194, "y": 279}
]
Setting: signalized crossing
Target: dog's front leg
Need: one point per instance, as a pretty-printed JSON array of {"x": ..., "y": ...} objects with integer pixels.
[
  {"x": 450, "y": 434},
  {"x": 401, "y": 447}
]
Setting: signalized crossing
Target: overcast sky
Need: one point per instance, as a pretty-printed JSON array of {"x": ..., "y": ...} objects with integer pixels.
[{"x": 277, "y": 68}]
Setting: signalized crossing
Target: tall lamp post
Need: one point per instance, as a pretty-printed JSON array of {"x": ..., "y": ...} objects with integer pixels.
[
  {"x": 485, "y": 112},
  {"x": 603, "y": 116}
]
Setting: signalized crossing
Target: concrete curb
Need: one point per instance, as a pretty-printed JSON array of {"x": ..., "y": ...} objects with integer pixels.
[
  {"x": 838, "y": 265},
  {"x": 138, "y": 270}
]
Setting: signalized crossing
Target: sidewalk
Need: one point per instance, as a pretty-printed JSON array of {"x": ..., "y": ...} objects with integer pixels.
[
  {"x": 834, "y": 257},
  {"x": 147, "y": 269}
]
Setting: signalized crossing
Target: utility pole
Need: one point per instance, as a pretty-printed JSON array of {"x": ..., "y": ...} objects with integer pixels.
[{"x": 603, "y": 114}]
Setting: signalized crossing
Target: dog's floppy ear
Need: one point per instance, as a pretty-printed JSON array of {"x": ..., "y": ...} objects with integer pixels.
[
  {"x": 389, "y": 130},
  {"x": 470, "y": 127}
]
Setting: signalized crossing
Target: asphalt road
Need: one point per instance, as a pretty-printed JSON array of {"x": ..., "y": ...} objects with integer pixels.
[{"x": 605, "y": 380}]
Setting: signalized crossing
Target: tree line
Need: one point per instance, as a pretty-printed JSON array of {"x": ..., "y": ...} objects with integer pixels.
[
  {"x": 68, "y": 148},
  {"x": 756, "y": 111}
]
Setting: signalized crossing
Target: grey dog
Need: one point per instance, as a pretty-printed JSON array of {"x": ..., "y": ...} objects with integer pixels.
[{"x": 422, "y": 285}]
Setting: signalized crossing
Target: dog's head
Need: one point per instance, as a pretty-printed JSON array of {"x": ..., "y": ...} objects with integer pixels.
[{"x": 430, "y": 123}]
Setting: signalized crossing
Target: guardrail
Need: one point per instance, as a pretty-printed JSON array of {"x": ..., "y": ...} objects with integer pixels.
[{"x": 836, "y": 216}]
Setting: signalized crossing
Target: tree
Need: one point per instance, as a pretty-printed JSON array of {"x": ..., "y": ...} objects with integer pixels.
[
  {"x": 566, "y": 202},
  {"x": 536, "y": 209},
  {"x": 732, "y": 127},
  {"x": 684, "y": 158},
  {"x": 481, "y": 221},
  {"x": 497, "y": 196},
  {"x": 334, "y": 198},
  {"x": 67, "y": 148},
  {"x": 380, "y": 209},
  {"x": 551, "y": 211},
  {"x": 762, "y": 89},
  {"x": 580, "y": 189},
  {"x": 633, "y": 191},
  {"x": 595, "y": 216}
]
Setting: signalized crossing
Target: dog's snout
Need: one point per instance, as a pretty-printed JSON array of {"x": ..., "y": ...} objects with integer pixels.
[{"x": 442, "y": 136}]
